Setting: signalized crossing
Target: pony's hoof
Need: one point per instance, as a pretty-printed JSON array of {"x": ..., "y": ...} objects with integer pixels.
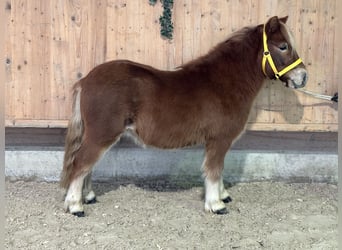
[
  {"x": 217, "y": 207},
  {"x": 79, "y": 214},
  {"x": 92, "y": 201},
  {"x": 221, "y": 211},
  {"x": 227, "y": 200}
]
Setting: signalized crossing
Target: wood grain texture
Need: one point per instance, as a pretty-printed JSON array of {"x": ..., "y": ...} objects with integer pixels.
[{"x": 51, "y": 44}]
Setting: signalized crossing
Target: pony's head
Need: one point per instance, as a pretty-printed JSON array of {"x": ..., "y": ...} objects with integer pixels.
[{"x": 280, "y": 59}]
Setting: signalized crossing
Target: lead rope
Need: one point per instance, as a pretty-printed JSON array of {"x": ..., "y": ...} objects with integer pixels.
[{"x": 333, "y": 98}]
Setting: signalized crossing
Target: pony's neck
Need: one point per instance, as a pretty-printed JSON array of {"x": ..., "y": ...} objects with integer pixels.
[
  {"x": 234, "y": 63},
  {"x": 243, "y": 53}
]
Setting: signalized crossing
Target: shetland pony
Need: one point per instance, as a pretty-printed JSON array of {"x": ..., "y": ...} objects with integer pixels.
[{"x": 206, "y": 101}]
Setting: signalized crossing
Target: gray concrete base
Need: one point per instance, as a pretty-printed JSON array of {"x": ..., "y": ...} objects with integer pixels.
[
  {"x": 257, "y": 156},
  {"x": 240, "y": 165}
]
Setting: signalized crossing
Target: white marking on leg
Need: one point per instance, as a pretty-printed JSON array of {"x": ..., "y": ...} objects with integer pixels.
[
  {"x": 88, "y": 189},
  {"x": 90, "y": 196},
  {"x": 73, "y": 199},
  {"x": 213, "y": 202},
  {"x": 223, "y": 192}
]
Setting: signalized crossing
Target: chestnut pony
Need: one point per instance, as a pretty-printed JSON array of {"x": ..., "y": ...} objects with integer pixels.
[{"x": 206, "y": 101}]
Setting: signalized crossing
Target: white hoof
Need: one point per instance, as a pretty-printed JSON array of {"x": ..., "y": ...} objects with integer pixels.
[
  {"x": 216, "y": 207},
  {"x": 90, "y": 198},
  {"x": 73, "y": 199},
  {"x": 73, "y": 207},
  {"x": 224, "y": 194}
]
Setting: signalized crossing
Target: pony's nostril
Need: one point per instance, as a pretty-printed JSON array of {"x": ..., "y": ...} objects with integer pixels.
[{"x": 305, "y": 78}]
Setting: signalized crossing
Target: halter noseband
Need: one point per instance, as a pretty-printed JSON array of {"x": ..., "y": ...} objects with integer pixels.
[{"x": 267, "y": 57}]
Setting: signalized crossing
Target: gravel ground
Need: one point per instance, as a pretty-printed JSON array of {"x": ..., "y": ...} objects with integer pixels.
[{"x": 155, "y": 215}]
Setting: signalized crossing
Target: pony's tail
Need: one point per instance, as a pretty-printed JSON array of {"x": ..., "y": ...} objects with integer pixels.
[{"x": 73, "y": 138}]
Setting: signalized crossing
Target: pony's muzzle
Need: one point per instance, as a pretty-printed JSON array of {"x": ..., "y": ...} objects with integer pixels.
[{"x": 297, "y": 78}]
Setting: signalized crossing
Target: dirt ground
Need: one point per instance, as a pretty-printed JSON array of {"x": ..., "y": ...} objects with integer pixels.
[{"x": 155, "y": 215}]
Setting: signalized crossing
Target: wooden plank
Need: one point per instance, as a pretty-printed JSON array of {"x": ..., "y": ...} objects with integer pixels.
[
  {"x": 37, "y": 123},
  {"x": 9, "y": 86},
  {"x": 312, "y": 127},
  {"x": 41, "y": 102},
  {"x": 62, "y": 77},
  {"x": 250, "y": 126},
  {"x": 178, "y": 14},
  {"x": 19, "y": 41}
]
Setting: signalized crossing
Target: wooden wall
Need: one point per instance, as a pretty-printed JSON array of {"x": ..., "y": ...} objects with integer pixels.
[{"x": 51, "y": 44}]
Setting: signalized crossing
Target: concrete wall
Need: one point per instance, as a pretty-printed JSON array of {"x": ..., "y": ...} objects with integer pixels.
[{"x": 257, "y": 156}]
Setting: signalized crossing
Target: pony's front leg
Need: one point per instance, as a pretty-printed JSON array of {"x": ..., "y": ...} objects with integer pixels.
[
  {"x": 90, "y": 197},
  {"x": 213, "y": 203},
  {"x": 215, "y": 193},
  {"x": 73, "y": 199}
]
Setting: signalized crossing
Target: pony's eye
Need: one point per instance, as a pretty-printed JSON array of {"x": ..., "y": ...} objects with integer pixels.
[{"x": 283, "y": 47}]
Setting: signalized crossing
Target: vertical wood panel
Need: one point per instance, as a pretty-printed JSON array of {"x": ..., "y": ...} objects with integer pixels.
[
  {"x": 60, "y": 47},
  {"x": 51, "y": 44},
  {"x": 40, "y": 101}
]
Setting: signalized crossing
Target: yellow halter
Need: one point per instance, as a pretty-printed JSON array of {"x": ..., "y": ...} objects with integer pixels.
[{"x": 267, "y": 57}]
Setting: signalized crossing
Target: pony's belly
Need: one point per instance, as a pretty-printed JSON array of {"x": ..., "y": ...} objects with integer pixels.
[{"x": 165, "y": 139}]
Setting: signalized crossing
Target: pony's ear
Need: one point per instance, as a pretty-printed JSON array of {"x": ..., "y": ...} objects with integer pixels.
[
  {"x": 283, "y": 19},
  {"x": 272, "y": 25}
]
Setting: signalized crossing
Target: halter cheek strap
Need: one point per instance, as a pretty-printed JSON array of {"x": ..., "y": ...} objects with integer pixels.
[{"x": 267, "y": 57}]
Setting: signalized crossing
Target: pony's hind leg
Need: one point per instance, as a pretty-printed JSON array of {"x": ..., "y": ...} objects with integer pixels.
[
  {"x": 215, "y": 193},
  {"x": 90, "y": 197},
  {"x": 73, "y": 199},
  {"x": 85, "y": 159}
]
